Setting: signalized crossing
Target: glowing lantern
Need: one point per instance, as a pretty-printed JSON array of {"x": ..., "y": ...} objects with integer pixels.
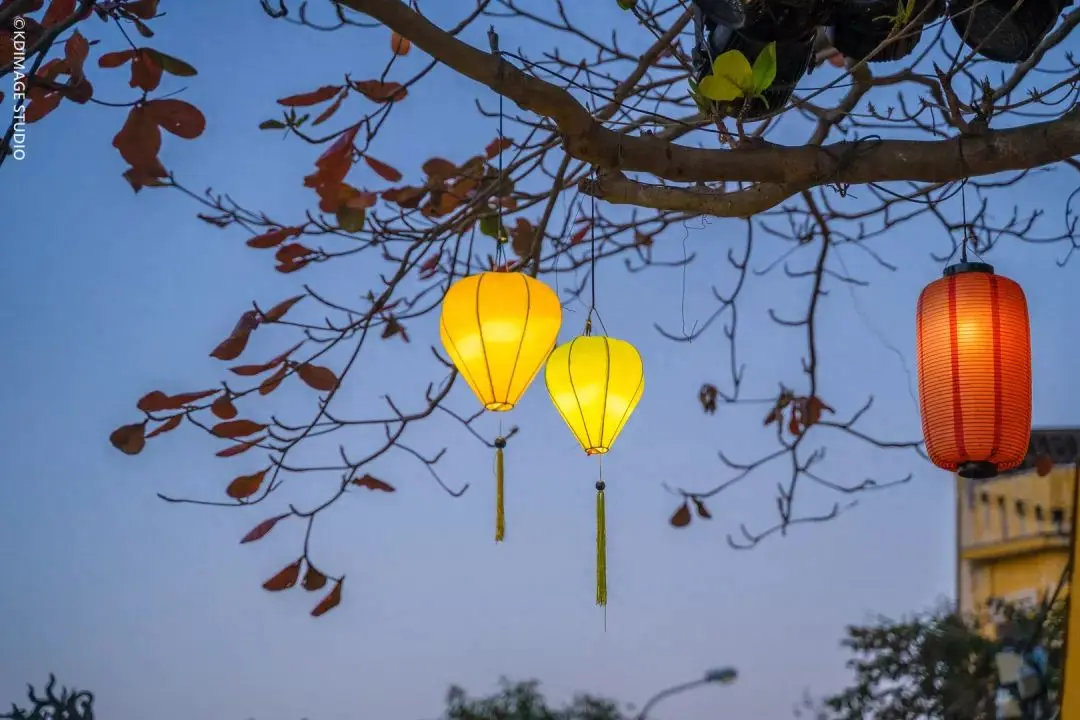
[
  {"x": 974, "y": 364},
  {"x": 595, "y": 384},
  {"x": 498, "y": 329}
]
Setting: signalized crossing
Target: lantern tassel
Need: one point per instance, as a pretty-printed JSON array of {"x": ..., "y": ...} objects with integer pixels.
[
  {"x": 601, "y": 546},
  {"x": 500, "y": 472}
]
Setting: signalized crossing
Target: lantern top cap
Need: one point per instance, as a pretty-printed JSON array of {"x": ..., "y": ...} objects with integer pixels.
[{"x": 968, "y": 267}]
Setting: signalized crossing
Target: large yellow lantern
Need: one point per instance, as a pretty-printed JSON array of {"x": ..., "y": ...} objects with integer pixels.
[
  {"x": 595, "y": 383},
  {"x": 498, "y": 329}
]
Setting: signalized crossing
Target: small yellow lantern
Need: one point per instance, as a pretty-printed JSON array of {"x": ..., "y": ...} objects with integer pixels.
[
  {"x": 498, "y": 329},
  {"x": 595, "y": 383}
]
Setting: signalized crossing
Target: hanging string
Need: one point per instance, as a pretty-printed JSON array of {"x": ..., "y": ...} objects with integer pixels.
[
  {"x": 500, "y": 232},
  {"x": 592, "y": 254},
  {"x": 963, "y": 200}
]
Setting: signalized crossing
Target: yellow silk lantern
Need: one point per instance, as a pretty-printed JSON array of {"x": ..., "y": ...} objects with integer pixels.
[
  {"x": 595, "y": 383},
  {"x": 498, "y": 329}
]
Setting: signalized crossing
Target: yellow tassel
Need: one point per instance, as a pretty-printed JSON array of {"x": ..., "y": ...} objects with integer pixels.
[
  {"x": 500, "y": 512},
  {"x": 601, "y": 547}
]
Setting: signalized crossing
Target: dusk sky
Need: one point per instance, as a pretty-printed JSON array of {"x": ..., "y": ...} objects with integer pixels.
[{"x": 158, "y": 610}]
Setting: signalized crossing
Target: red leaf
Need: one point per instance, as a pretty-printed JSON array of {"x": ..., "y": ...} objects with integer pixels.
[
  {"x": 399, "y": 44},
  {"x": 145, "y": 71},
  {"x": 580, "y": 235},
  {"x": 176, "y": 116},
  {"x": 259, "y": 531},
  {"x": 154, "y": 401},
  {"x": 311, "y": 98},
  {"x": 129, "y": 439},
  {"x": 245, "y": 486},
  {"x": 59, "y": 10},
  {"x": 702, "y": 511},
  {"x": 250, "y": 370},
  {"x": 496, "y": 146},
  {"x": 115, "y": 59},
  {"x": 440, "y": 169},
  {"x": 317, "y": 377},
  {"x": 76, "y": 50},
  {"x": 285, "y": 579},
  {"x": 292, "y": 252},
  {"x": 313, "y": 579},
  {"x": 372, "y": 483},
  {"x": 278, "y": 311},
  {"x": 682, "y": 517},
  {"x": 429, "y": 266},
  {"x": 41, "y": 105},
  {"x": 223, "y": 408},
  {"x": 234, "y": 450},
  {"x": 288, "y": 267},
  {"x": 145, "y": 9},
  {"x": 383, "y": 170},
  {"x": 234, "y": 345},
  {"x": 380, "y": 92},
  {"x": 271, "y": 383},
  {"x": 273, "y": 238},
  {"x": 187, "y": 398},
  {"x": 169, "y": 424},
  {"x": 331, "y": 601},
  {"x": 406, "y": 197},
  {"x": 330, "y": 110},
  {"x": 236, "y": 428},
  {"x": 139, "y": 140}
]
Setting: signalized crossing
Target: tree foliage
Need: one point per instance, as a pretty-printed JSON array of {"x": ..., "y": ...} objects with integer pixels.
[
  {"x": 934, "y": 666},
  {"x": 600, "y": 106},
  {"x": 70, "y": 704}
]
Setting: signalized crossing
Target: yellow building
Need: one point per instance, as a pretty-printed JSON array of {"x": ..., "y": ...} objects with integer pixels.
[{"x": 1013, "y": 531}]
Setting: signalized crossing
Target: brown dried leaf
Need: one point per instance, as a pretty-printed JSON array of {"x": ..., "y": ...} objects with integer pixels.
[
  {"x": 237, "y": 428},
  {"x": 259, "y": 531},
  {"x": 180, "y": 118},
  {"x": 330, "y": 110},
  {"x": 243, "y": 447},
  {"x": 139, "y": 140},
  {"x": 682, "y": 516},
  {"x": 311, "y": 98},
  {"x": 245, "y": 486},
  {"x": 223, "y": 408},
  {"x": 129, "y": 439},
  {"x": 386, "y": 172},
  {"x": 372, "y": 483},
  {"x": 331, "y": 601},
  {"x": 313, "y": 579},
  {"x": 440, "y": 169},
  {"x": 115, "y": 59},
  {"x": 702, "y": 511},
  {"x": 381, "y": 92},
  {"x": 285, "y": 578},
  {"x": 278, "y": 311},
  {"x": 155, "y": 401},
  {"x": 496, "y": 146},
  {"x": 169, "y": 424},
  {"x": 273, "y": 238},
  {"x": 188, "y": 398},
  {"x": 271, "y": 383},
  {"x": 317, "y": 377}
]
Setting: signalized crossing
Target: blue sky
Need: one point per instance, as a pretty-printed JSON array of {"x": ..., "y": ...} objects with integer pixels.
[{"x": 158, "y": 610}]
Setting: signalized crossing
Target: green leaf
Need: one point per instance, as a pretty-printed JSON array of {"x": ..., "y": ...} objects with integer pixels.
[
  {"x": 627, "y": 4},
  {"x": 764, "y": 72},
  {"x": 271, "y": 125},
  {"x": 171, "y": 65},
  {"x": 351, "y": 219},
  {"x": 695, "y": 95},
  {"x": 490, "y": 226},
  {"x": 732, "y": 77}
]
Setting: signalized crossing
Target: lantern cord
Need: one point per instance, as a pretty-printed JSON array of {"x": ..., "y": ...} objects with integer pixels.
[
  {"x": 963, "y": 200},
  {"x": 500, "y": 232},
  {"x": 500, "y": 472},
  {"x": 601, "y": 546}
]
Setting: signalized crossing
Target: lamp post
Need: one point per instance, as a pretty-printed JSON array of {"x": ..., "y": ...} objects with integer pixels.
[{"x": 717, "y": 676}]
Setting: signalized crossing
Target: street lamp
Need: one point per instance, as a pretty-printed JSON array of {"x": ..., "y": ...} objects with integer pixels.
[{"x": 716, "y": 676}]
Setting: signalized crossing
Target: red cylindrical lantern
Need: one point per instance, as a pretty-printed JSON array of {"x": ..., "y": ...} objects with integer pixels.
[{"x": 974, "y": 363}]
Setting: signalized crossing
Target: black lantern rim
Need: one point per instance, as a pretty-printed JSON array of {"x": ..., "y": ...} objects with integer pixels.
[
  {"x": 977, "y": 469},
  {"x": 968, "y": 267}
]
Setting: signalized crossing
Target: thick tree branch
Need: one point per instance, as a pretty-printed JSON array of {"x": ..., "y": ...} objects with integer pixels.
[
  {"x": 855, "y": 162},
  {"x": 616, "y": 188}
]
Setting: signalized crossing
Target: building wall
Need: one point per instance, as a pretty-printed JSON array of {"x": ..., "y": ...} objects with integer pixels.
[{"x": 1013, "y": 535}]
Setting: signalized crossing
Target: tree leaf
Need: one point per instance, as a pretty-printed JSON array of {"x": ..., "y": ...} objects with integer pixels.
[
  {"x": 155, "y": 401},
  {"x": 271, "y": 383},
  {"x": 313, "y": 579},
  {"x": 145, "y": 71},
  {"x": 399, "y": 44},
  {"x": 277, "y": 312},
  {"x": 702, "y": 511},
  {"x": 331, "y": 601},
  {"x": 292, "y": 252},
  {"x": 682, "y": 516},
  {"x": 41, "y": 104},
  {"x": 187, "y": 398},
  {"x": 311, "y": 98},
  {"x": 764, "y": 71},
  {"x": 168, "y": 424},
  {"x": 372, "y": 483},
  {"x": 381, "y": 92},
  {"x": 272, "y": 125},
  {"x": 129, "y": 439},
  {"x": 273, "y": 238},
  {"x": 237, "y": 428},
  {"x": 178, "y": 117},
  {"x": 440, "y": 169},
  {"x": 145, "y": 9},
  {"x": 139, "y": 140},
  {"x": 351, "y": 219},
  {"x": 223, "y": 408},
  {"x": 496, "y": 146},
  {"x": 259, "y": 531},
  {"x": 317, "y": 377},
  {"x": 231, "y": 348},
  {"x": 243, "y": 447},
  {"x": 383, "y": 170},
  {"x": 245, "y": 486},
  {"x": 116, "y": 59},
  {"x": 59, "y": 10},
  {"x": 731, "y": 78},
  {"x": 285, "y": 579},
  {"x": 172, "y": 65},
  {"x": 330, "y": 110}
]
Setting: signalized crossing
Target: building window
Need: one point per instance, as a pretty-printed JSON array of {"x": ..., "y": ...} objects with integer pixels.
[
  {"x": 1039, "y": 516},
  {"x": 1057, "y": 517},
  {"x": 1004, "y": 516},
  {"x": 1021, "y": 517}
]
